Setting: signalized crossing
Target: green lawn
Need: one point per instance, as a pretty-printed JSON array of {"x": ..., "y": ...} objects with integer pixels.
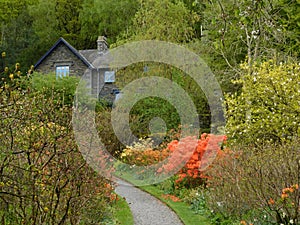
[{"x": 123, "y": 213}]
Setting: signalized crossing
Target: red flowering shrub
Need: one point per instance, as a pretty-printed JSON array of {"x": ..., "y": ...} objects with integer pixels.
[
  {"x": 192, "y": 173},
  {"x": 191, "y": 156}
]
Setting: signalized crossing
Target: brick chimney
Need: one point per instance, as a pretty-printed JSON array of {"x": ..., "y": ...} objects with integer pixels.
[{"x": 102, "y": 45}]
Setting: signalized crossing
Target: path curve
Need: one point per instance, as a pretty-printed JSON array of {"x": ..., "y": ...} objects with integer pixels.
[{"x": 146, "y": 209}]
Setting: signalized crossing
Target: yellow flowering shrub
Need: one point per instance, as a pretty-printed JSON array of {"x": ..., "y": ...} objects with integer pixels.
[{"x": 268, "y": 108}]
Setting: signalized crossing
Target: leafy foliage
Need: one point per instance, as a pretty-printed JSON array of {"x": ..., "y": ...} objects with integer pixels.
[
  {"x": 262, "y": 106},
  {"x": 44, "y": 179},
  {"x": 108, "y": 18},
  {"x": 163, "y": 20},
  {"x": 62, "y": 19},
  {"x": 147, "y": 109},
  {"x": 63, "y": 89},
  {"x": 251, "y": 30},
  {"x": 268, "y": 107},
  {"x": 290, "y": 21}
]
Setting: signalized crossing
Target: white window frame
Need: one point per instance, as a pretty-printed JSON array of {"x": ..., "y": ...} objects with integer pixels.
[
  {"x": 109, "y": 77},
  {"x": 62, "y": 71}
]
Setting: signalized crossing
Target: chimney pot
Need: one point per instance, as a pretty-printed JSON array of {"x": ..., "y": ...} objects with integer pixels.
[{"x": 102, "y": 45}]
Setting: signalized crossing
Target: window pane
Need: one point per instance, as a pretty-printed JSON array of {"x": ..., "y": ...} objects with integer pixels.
[
  {"x": 62, "y": 71},
  {"x": 109, "y": 76}
]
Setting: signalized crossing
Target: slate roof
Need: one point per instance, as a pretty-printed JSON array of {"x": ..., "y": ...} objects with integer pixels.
[
  {"x": 89, "y": 54},
  {"x": 72, "y": 49},
  {"x": 93, "y": 56}
]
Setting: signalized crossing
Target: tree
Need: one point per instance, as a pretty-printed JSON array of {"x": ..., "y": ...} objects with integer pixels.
[
  {"x": 54, "y": 19},
  {"x": 199, "y": 8},
  {"x": 167, "y": 21},
  {"x": 11, "y": 9},
  {"x": 16, "y": 30},
  {"x": 249, "y": 30},
  {"x": 289, "y": 11},
  {"x": 163, "y": 20},
  {"x": 107, "y": 18},
  {"x": 237, "y": 31}
]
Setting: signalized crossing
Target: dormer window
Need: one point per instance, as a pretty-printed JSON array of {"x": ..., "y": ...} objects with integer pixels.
[
  {"x": 109, "y": 76},
  {"x": 62, "y": 71}
]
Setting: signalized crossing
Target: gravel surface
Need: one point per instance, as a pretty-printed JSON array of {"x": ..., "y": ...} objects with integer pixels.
[{"x": 146, "y": 209}]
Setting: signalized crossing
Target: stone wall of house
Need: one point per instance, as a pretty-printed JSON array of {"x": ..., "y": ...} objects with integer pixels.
[
  {"x": 105, "y": 90},
  {"x": 62, "y": 56}
]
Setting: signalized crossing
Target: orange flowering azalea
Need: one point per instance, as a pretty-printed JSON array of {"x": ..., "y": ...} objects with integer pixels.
[
  {"x": 171, "y": 197},
  {"x": 194, "y": 157},
  {"x": 271, "y": 201},
  {"x": 284, "y": 196},
  {"x": 172, "y": 146},
  {"x": 204, "y": 150},
  {"x": 159, "y": 170}
]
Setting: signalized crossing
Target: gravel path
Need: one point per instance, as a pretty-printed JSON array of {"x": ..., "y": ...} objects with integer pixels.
[{"x": 146, "y": 209}]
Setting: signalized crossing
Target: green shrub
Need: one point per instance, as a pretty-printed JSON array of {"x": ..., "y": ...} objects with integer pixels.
[
  {"x": 106, "y": 132},
  {"x": 49, "y": 85}
]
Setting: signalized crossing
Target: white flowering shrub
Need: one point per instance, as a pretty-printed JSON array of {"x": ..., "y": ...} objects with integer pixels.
[{"x": 268, "y": 107}]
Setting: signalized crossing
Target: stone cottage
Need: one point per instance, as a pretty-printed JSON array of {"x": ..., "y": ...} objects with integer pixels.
[{"x": 64, "y": 60}]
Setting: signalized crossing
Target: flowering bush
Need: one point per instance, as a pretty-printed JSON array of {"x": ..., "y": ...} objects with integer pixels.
[
  {"x": 142, "y": 153},
  {"x": 44, "y": 178},
  {"x": 267, "y": 109},
  {"x": 260, "y": 183},
  {"x": 205, "y": 150},
  {"x": 195, "y": 156}
]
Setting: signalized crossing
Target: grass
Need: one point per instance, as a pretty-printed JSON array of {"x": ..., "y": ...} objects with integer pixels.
[
  {"x": 182, "y": 209},
  {"x": 123, "y": 215}
]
